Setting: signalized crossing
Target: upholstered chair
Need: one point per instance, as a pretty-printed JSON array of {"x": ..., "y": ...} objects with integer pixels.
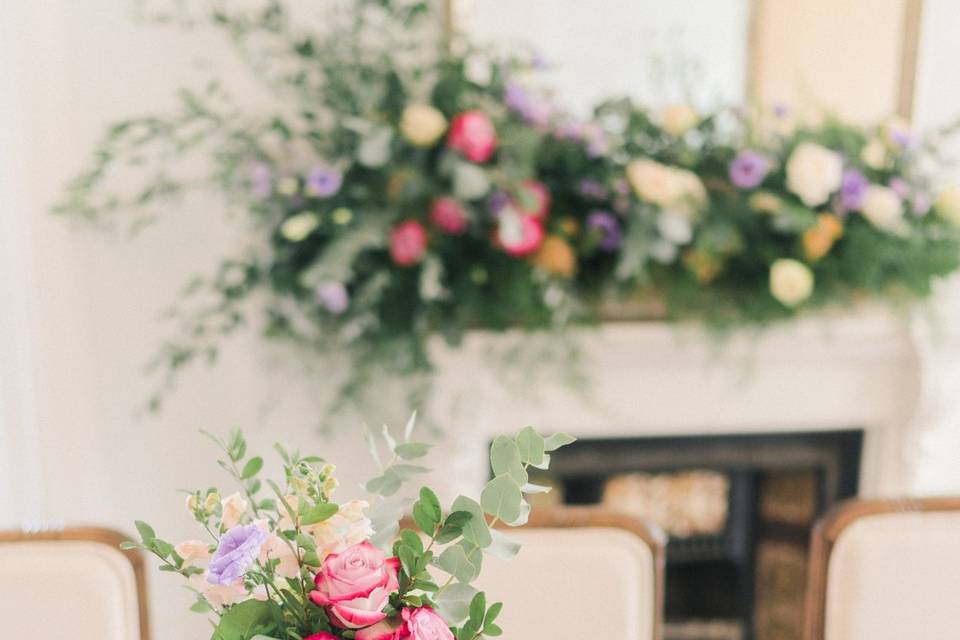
[
  {"x": 71, "y": 584},
  {"x": 886, "y": 570}
]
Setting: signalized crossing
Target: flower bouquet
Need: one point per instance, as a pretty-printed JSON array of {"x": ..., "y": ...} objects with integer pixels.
[{"x": 298, "y": 566}]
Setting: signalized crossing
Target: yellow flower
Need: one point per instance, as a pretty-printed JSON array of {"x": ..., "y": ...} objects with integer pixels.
[
  {"x": 947, "y": 205},
  {"x": 791, "y": 282},
  {"x": 677, "y": 119},
  {"x": 704, "y": 267},
  {"x": 818, "y": 240},
  {"x": 298, "y": 227},
  {"x": 422, "y": 125},
  {"x": 556, "y": 256},
  {"x": 765, "y": 202}
]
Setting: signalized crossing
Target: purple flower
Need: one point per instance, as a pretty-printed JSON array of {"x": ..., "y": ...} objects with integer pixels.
[
  {"x": 516, "y": 97},
  {"x": 606, "y": 223},
  {"x": 748, "y": 169},
  {"x": 853, "y": 187},
  {"x": 238, "y": 550},
  {"x": 900, "y": 187},
  {"x": 497, "y": 201},
  {"x": 334, "y": 297},
  {"x": 323, "y": 182},
  {"x": 261, "y": 180},
  {"x": 533, "y": 110},
  {"x": 592, "y": 189}
]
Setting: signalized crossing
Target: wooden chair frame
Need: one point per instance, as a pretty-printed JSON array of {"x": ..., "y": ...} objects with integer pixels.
[
  {"x": 106, "y": 537},
  {"x": 828, "y": 530},
  {"x": 583, "y": 517}
]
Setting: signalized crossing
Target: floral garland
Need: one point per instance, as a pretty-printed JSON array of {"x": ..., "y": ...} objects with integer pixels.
[
  {"x": 403, "y": 190},
  {"x": 300, "y": 566}
]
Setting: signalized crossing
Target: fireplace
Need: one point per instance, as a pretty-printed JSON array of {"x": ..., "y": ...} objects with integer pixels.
[{"x": 738, "y": 509}]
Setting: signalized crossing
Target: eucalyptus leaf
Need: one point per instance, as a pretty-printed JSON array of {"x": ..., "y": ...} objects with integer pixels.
[
  {"x": 453, "y": 603},
  {"x": 505, "y": 459},
  {"x": 502, "y": 498},
  {"x": 558, "y": 440},
  {"x": 503, "y": 546},
  {"x": 462, "y": 561},
  {"x": 531, "y": 446},
  {"x": 475, "y": 530}
]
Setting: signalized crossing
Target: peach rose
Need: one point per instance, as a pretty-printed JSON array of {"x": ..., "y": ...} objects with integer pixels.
[{"x": 355, "y": 586}]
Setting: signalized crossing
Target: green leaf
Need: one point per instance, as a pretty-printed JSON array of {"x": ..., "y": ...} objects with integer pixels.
[
  {"x": 386, "y": 485},
  {"x": 431, "y": 503},
  {"x": 478, "y": 608},
  {"x": 454, "y": 602},
  {"x": 502, "y": 498},
  {"x": 407, "y": 471},
  {"x": 505, "y": 459},
  {"x": 493, "y": 612},
  {"x": 424, "y": 518},
  {"x": 531, "y": 446},
  {"x": 200, "y": 606},
  {"x": 252, "y": 468},
  {"x": 146, "y": 532},
  {"x": 243, "y": 620},
  {"x": 318, "y": 513},
  {"x": 412, "y": 450},
  {"x": 127, "y": 546},
  {"x": 492, "y": 630},
  {"x": 412, "y": 540},
  {"x": 475, "y": 530},
  {"x": 408, "y": 558},
  {"x": 557, "y": 440}
]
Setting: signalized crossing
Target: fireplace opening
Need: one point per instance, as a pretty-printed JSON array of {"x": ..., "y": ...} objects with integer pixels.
[{"x": 738, "y": 510}]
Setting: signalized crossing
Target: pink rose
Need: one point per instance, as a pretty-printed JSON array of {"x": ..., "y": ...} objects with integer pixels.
[
  {"x": 408, "y": 243},
  {"x": 473, "y": 135},
  {"x": 323, "y": 635},
  {"x": 389, "y": 629},
  {"x": 518, "y": 234},
  {"x": 533, "y": 199},
  {"x": 425, "y": 624},
  {"x": 448, "y": 215},
  {"x": 355, "y": 586}
]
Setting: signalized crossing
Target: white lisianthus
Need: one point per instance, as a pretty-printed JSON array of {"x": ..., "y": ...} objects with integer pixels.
[
  {"x": 874, "y": 154},
  {"x": 234, "y": 506},
  {"x": 947, "y": 205},
  {"x": 883, "y": 208},
  {"x": 791, "y": 281},
  {"x": 422, "y": 125},
  {"x": 677, "y": 119},
  {"x": 813, "y": 173}
]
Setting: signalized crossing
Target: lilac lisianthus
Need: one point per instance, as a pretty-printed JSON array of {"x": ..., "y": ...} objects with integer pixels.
[
  {"x": 238, "y": 551},
  {"x": 608, "y": 226},
  {"x": 748, "y": 169},
  {"x": 334, "y": 297},
  {"x": 323, "y": 182},
  {"x": 853, "y": 188}
]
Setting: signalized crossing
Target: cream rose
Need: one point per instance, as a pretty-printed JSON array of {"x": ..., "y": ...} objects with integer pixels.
[
  {"x": 422, "y": 125},
  {"x": 677, "y": 119},
  {"x": 947, "y": 205},
  {"x": 791, "y": 281},
  {"x": 813, "y": 173},
  {"x": 234, "y": 506},
  {"x": 883, "y": 208}
]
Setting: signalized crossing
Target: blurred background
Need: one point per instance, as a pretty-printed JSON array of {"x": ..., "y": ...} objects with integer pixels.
[{"x": 789, "y": 421}]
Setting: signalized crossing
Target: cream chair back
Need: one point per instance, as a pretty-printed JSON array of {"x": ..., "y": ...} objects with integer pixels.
[
  {"x": 582, "y": 573},
  {"x": 74, "y": 584},
  {"x": 886, "y": 570}
]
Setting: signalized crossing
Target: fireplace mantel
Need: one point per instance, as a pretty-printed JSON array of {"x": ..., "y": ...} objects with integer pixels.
[{"x": 858, "y": 370}]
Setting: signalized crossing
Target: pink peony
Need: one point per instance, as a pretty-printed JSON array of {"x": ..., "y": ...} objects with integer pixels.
[
  {"x": 355, "y": 586},
  {"x": 518, "y": 234},
  {"x": 448, "y": 215},
  {"x": 408, "y": 243},
  {"x": 424, "y": 624},
  {"x": 473, "y": 135},
  {"x": 533, "y": 199}
]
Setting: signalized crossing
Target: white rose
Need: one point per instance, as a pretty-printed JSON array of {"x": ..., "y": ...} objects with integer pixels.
[
  {"x": 677, "y": 119},
  {"x": 422, "y": 125},
  {"x": 791, "y": 281},
  {"x": 874, "y": 154},
  {"x": 813, "y": 173},
  {"x": 234, "y": 506},
  {"x": 948, "y": 204},
  {"x": 883, "y": 208},
  {"x": 193, "y": 551}
]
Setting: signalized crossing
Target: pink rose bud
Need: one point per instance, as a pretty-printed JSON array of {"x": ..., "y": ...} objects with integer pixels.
[
  {"x": 425, "y": 624},
  {"x": 448, "y": 215},
  {"x": 355, "y": 586},
  {"x": 473, "y": 135},
  {"x": 518, "y": 234},
  {"x": 533, "y": 199},
  {"x": 408, "y": 243}
]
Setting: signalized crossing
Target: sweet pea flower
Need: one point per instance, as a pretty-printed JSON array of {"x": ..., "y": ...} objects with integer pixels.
[
  {"x": 355, "y": 586},
  {"x": 408, "y": 243},
  {"x": 234, "y": 506},
  {"x": 473, "y": 135},
  {"x": 193, "y": 552},
  {"x": 748, "y": 169},
  {"x": 238, "y": 551}
]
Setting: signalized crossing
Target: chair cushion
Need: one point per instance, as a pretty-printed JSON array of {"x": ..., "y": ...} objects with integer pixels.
[
  {"x": 572, "y": 584},
  {"x": 895, "y": 576},
  {"x": 67, "y": 590}
]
